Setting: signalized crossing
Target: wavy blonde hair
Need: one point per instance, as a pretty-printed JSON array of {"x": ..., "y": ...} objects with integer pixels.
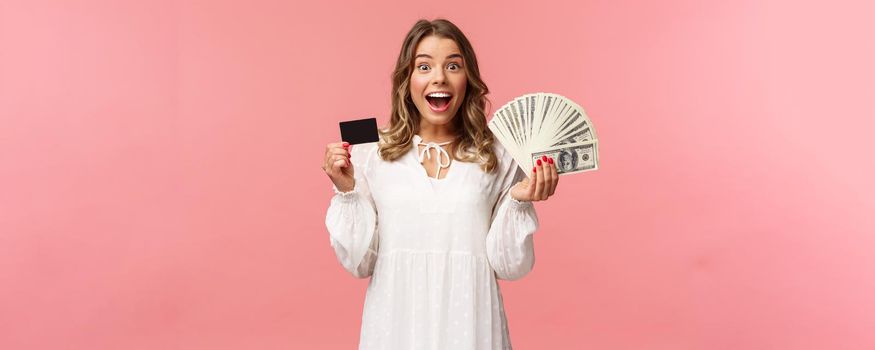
[{"x": 474, "y": 141}]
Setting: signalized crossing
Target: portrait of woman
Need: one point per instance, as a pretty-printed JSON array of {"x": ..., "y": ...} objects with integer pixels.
[
  {"x": 568, "y": 160},
  {"x": 437, "y": 211},
  {"x": 175, "y": 179}
]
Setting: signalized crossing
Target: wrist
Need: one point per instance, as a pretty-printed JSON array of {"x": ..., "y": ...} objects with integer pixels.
[
  {"x": 513, "y": 198},
  {"x": 344, "y": 188}
]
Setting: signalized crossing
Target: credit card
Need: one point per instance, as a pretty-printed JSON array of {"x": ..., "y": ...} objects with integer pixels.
[{"x": 359, "y": 131}]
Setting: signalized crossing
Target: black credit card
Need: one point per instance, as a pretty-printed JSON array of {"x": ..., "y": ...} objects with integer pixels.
[{"x": 359, "y": 131}]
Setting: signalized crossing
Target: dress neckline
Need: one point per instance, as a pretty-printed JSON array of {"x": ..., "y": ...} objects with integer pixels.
[{"x": 441, "y": 153}]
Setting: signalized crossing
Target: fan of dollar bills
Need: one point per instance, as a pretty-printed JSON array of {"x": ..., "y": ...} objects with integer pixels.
[{"x": 545, "y": 124}]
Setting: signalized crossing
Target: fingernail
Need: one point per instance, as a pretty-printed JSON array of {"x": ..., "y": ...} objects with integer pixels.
[
  {"x": 539, "y": 162},
  {"x": 550, "y": 160},
  {"x": 534, "y": 170},
  {"x": 544, "y": 158}
]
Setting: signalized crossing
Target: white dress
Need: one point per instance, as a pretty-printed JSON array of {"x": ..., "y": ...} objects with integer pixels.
[{"x": 433, "y": 248}]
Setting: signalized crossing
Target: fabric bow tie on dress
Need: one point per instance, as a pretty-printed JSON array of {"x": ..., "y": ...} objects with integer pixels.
[{"x": 440, "y": 150}]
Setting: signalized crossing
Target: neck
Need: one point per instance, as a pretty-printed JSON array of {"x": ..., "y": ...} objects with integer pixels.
[{"x": 436, "y": 133}]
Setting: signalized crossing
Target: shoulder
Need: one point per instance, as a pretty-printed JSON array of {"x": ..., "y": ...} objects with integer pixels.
[
  {"x": 364, "y": 150},
  {"x": 504, "y": 157},
  {"x": 500, "y": 151}
]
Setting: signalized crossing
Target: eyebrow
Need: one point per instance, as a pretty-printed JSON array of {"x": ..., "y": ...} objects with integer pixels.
[{"x": 455, "y": 55}]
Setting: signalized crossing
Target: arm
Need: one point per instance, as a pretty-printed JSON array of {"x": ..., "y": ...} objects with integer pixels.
[
  {"x": 352, "y": 220},
  {"x": 509, "y": 246}
]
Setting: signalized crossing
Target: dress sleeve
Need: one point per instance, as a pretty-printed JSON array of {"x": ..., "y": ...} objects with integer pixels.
[
  {"x": 352, "y": 219},
  {"x": 509, "y": 246}
]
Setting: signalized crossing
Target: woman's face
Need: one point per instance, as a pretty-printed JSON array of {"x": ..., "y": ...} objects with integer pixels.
[{"x": 438, "y": 80}]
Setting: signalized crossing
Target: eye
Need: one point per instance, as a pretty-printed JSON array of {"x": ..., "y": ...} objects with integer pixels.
[
  {"x": 422, "y": 67},
  {"x": 453, "y": 66}
]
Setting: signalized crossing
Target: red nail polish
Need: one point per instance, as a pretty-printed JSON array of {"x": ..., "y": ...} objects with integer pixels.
[
  {"x": 534, "y": 170},
  {"x": 550, "y": 160},
  {"x": 539, "y": 162},
  {"x": 544, "y": 158}
]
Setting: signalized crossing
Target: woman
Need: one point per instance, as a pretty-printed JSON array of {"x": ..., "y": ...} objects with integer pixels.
[{"x": 437, "y": 210}]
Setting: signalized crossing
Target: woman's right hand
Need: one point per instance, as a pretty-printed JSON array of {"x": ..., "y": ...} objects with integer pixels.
[{"x": 338, "y": 167}]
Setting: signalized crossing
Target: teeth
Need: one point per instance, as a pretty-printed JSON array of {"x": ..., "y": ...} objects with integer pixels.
[{"x": 439, "y": 94}]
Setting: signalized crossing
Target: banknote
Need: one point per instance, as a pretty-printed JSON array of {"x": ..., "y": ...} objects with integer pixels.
[
  {"x": 572, "y": 158},
  {"x": 541, "y": 122}
]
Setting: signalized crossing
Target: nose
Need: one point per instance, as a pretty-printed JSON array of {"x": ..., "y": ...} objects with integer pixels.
[{"x": 439, "y": 77}]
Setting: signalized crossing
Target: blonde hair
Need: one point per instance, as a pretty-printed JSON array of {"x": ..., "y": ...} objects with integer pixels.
[{"x": 474, "y": 141}]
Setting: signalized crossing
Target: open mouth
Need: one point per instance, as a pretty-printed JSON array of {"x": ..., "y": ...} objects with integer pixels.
[{"x": 439, "y": 101}]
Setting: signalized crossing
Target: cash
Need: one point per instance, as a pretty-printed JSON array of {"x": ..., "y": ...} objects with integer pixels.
[{"x": 534, "y": 125}]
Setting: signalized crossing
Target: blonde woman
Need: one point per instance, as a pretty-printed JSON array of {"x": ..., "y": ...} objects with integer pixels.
[{"x": 437, "y": 210}]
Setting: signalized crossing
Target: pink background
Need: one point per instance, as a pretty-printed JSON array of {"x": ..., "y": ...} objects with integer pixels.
[{"x": 160, "y": 181}]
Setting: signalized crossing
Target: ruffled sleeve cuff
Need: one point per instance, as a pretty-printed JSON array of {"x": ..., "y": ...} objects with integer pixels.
[
  {"x": 345, "y": 197},
  {"x": 520, "y": 205}
]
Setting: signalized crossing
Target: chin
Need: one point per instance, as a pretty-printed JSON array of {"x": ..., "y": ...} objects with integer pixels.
[{"x": 435, "y": 120}]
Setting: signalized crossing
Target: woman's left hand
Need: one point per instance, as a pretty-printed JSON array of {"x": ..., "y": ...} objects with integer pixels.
[{"x": 542, "y": 186}]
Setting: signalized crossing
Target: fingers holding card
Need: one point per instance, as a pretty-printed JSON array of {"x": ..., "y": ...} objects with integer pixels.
[{"x": 338, "y": 165}]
